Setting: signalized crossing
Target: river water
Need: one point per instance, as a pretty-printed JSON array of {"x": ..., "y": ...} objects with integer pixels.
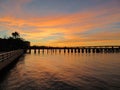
[{"x": 63, "y": 71}]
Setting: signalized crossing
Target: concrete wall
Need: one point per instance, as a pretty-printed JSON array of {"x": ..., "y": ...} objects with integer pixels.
[{"x": 9, "y": 57}]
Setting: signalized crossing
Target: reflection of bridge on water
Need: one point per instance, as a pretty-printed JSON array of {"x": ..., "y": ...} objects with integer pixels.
[{"x": 86, "y": 49}]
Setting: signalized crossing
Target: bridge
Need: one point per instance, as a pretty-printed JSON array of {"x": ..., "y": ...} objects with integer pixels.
[
  {"x": 82, "y": 49},
  {"x": 8, "y": 57}
]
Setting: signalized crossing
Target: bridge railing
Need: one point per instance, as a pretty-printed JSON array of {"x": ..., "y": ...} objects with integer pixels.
[{"x": 10, "y": 54}]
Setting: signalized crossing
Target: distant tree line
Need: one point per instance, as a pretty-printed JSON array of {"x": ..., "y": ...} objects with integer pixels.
[{"x": 13, "y": 43}]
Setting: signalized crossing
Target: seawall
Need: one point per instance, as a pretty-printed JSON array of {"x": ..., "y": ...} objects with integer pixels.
[{"x": 8, "y": 57}]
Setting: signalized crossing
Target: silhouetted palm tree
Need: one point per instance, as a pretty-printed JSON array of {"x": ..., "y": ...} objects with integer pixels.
[{"x": 15, "y": 35}]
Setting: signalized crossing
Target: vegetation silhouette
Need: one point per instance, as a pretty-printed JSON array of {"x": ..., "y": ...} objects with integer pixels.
[
  {"x": 13, "y": 43},
  {"x": 15, "y": 35}
]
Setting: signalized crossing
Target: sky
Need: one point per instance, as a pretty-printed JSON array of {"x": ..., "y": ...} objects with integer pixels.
[{"x": 62, "y": 22}]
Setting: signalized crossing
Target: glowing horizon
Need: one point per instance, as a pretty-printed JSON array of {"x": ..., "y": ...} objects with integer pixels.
[{"x": 62, "y": 22}]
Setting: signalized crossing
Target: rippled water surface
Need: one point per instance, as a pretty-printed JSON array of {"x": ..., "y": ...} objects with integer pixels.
[{"x": 63, "y": 71}]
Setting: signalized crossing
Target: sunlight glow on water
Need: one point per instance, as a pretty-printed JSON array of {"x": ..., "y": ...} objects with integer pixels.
[{"x": 64, "y": 71}]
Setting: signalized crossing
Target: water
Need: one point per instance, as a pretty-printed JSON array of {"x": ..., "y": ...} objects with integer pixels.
[{"x": 63, "y": 71}]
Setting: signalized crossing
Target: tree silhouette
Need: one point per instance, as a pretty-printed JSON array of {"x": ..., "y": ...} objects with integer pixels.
[
  {"x": 13, "y": 43},
  {"x": 15, "y": 35}
]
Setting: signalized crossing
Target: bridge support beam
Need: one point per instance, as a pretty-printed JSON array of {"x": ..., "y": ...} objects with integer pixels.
[
  {"x": 38, "y": 50},
  {"x": 82, "y": 50},
  {"x": 78, "y": 50},
  {"x": 71, "y": 50},
  {"x": 34, "y": 51}
]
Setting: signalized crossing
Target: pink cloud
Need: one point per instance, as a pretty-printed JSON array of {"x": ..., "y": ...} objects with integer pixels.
[{"x": 68, "y": 24}]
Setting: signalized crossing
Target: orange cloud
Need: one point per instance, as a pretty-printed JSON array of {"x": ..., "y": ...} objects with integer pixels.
[{"x": 68, "y": 24}]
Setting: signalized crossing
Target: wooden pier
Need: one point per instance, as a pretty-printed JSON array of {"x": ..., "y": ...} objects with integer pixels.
[{"x": 85, "y": 49}]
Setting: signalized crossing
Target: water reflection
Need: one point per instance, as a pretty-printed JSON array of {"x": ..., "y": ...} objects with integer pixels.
[{"x": 60, "y": 70}]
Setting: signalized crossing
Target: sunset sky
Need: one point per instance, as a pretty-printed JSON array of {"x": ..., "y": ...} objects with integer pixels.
[{"x": 62, "y": 22}]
